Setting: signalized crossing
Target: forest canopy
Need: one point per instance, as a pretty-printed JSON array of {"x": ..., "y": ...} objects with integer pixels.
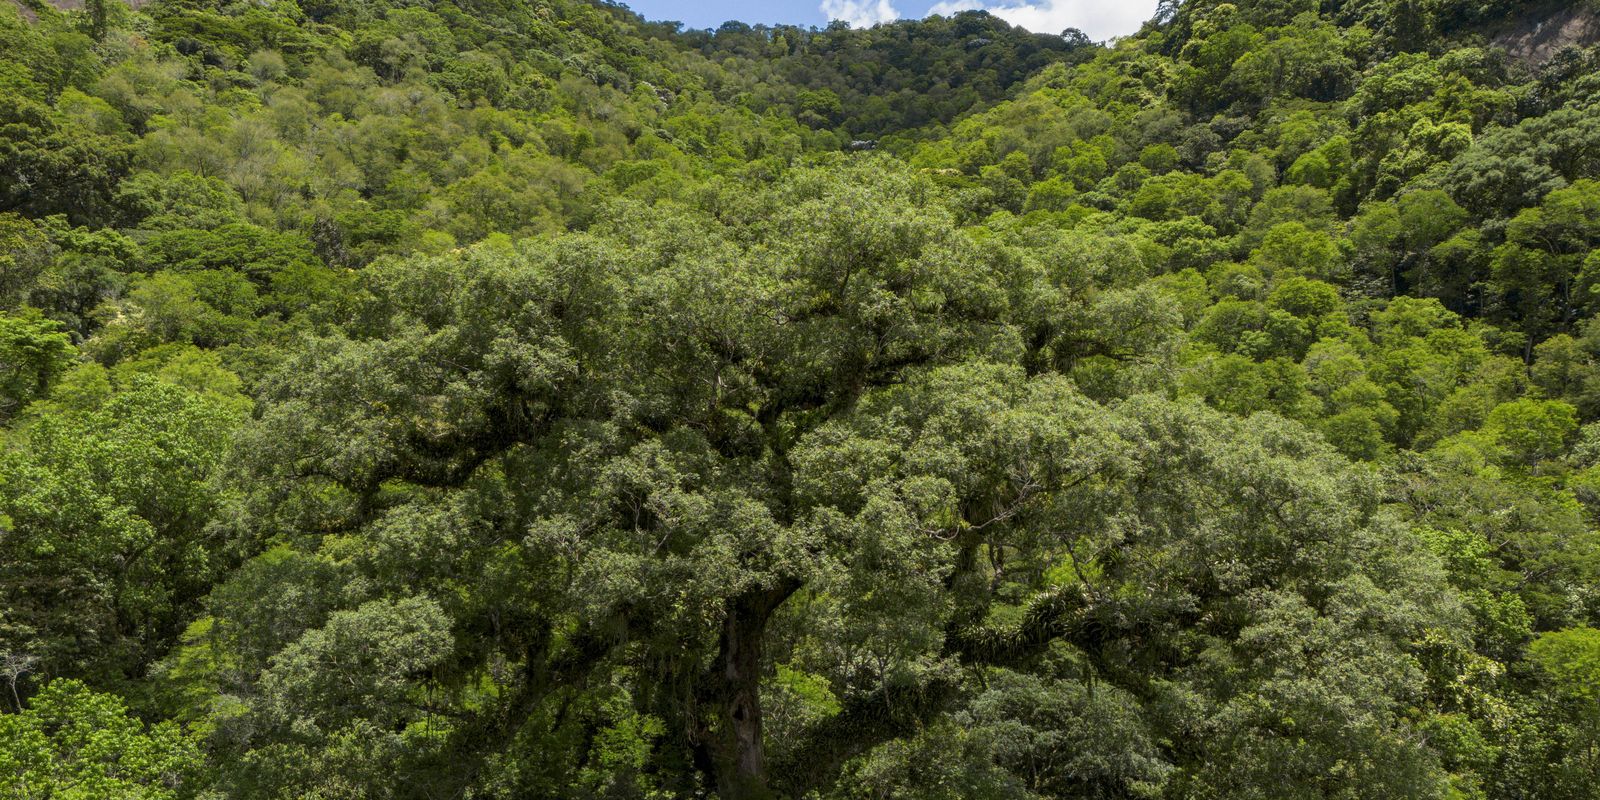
[{"x": 522, "y": 399}]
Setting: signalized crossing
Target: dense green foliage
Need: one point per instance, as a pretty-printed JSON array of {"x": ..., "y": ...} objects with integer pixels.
[
  {"x": 506, "y": 399},
  {"x": 889, "y": 80}
]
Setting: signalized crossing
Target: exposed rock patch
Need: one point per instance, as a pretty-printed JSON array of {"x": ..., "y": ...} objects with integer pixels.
[{"x": 1537, "y": 37}]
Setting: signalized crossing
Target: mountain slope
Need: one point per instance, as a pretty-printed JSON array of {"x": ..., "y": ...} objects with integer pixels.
[{"x": 522, "y": 399}]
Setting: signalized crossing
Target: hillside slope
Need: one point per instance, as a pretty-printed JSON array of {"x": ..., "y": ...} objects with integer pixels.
[{"x": 503, "y": 399}]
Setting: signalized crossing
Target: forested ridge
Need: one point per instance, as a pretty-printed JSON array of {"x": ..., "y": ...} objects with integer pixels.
[{"x": 521, "y": 399}]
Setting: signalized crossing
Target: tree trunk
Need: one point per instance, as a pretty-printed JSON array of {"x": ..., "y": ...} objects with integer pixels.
[
  {"x": 740, "y": 759},
  {"x": 737, "y": 752}
]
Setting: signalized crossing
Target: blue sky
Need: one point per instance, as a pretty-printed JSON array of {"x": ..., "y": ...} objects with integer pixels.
[{"x": 1101, "y": 19}]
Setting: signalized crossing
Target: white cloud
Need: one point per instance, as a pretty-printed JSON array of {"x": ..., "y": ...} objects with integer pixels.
[
  {"x": 860, "y": 13},
  {"x": 1100, "y": 19}
]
